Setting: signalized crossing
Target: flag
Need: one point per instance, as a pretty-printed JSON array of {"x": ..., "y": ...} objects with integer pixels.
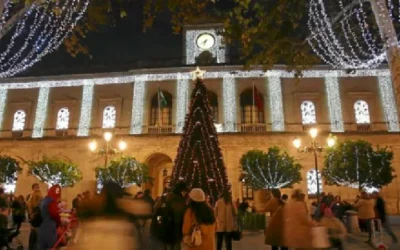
[
  {"x": 161, "y": 98},
  {"x": 258, "y": 100}
]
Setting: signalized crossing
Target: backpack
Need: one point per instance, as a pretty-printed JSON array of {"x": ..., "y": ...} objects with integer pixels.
[
  {"x": 163, "y": 223},
  {"x": 36, "y": 219}
]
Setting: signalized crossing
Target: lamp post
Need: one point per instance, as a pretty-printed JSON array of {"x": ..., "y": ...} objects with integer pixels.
[
  {"x": 314, "y": 149},
  {"x": 107, "y": 150}
]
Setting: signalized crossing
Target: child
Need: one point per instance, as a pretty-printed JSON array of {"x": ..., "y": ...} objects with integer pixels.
[{"x": 336, "y": 229}]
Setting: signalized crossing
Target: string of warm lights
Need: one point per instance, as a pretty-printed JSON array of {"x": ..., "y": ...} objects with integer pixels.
[
  {"x": 182, "y": 97},
  {"x": 86, "y": 110},
  {"x": 139, "y": 91},
  {"x": 41, "y": 112},
  {"x": 3, "y": 103}
]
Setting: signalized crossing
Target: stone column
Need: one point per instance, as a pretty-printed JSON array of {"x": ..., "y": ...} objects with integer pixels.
[
  {"x": 3, "y": 104},
  {"x": 139, "y": 91},
  {"x": 334, "y": 103},
  {"x": 182, "y": 102},
  {"x": 86, "y": 110},
  {"x": 388, "y": 103},
  {"x": 41, "y": 112},
  {"x": 229, "y": 104},
  {"x": 276, "y": 103}
]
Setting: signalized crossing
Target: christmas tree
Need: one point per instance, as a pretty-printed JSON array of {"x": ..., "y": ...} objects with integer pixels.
[{"x": 199, "y": 161}]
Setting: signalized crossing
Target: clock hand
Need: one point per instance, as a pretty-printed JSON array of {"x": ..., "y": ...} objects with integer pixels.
[{"x": 205, "y": 41}]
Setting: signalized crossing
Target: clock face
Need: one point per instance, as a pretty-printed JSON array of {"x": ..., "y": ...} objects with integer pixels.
[{"x": 205, "y": 41}]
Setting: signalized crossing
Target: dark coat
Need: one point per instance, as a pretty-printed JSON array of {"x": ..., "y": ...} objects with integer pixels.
[
  {"x": 178, "y": 205},
  {"x": 274, "y": 231},
  {"x": 380, "y": 209}
]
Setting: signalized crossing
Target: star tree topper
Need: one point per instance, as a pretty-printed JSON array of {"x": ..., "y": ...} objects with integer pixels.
[{"x": 198, "y": 74}]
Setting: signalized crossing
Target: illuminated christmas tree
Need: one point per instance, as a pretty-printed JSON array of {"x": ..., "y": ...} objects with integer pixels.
[{"x": 199, "y": 161}]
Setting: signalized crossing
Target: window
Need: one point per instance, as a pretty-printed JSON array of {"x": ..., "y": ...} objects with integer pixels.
[
  {"x": 213, "y": 101},
  {"x": 62, "y": 119},
  {"x": 312, "y": 182},
  {"x": 247, "y": 192},
  {"x": 361, "y": 112},
  {"x": 109, "y": 117},
  {"x": 251, "y": 113},
  {"x": 161, "y": 110},
  {"x": 19, "y": 120},
  {"x": 308, "y": 113}
]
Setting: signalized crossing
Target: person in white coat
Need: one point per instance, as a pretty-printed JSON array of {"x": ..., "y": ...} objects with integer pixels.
[{"x": 226, "y": 212}]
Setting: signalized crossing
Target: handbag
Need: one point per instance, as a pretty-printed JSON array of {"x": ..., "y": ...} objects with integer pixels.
[
  {"x": 237, "y": 234},
  {"x": 194, "y": 238}
]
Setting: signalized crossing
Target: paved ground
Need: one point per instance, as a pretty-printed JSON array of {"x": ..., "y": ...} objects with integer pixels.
[{"x": 255, "y": 240}]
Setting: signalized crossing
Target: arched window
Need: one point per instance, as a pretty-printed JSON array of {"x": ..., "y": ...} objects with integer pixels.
[
  {"x": 312, "y": 182},
  {"x": 62, "y": 119},
  {"x": 213, "y": 101},
  {"x": 109, "y": 117},
  {"x": 19, "y": 120},
  {"x": 361, "y": 112},
  {"x": 308, "y": 112},
  {"x": 252, "y": 111},
  {"x": 161, "y": 109}
]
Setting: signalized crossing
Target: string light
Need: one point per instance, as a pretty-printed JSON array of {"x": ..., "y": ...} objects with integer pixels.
[
  {"x": 182, "y": 95},
  {"x": 41, "y": 112},
  {"x": 229, "y": 102},
  {"x": 334, "y": 103},
  {"x": 86, "y": 110},
  {"x": 3, "y": 103},
  {"x": 389, "y": 103},
  {"x": 139, "y": 91},
  {"x": 276, "y": 103}
]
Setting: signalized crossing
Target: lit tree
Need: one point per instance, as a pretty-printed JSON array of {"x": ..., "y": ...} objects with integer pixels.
[
  {"x": 268, "y": 170},
  {"x": 54, "y": 171},
  {"x": 9, "y": 170},
  {"x": 199, "y": 161},
  {"x": 356, "y": 164}
]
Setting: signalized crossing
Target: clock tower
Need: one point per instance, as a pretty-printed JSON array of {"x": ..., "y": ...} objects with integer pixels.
[{"x": 203, "y": 44}]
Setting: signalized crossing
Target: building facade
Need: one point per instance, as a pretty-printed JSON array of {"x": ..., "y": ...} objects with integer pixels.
[{"x": 252, "y": 109}]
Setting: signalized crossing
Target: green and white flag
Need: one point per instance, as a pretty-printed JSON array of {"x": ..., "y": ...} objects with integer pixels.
[{"x": 161, "y": 98}]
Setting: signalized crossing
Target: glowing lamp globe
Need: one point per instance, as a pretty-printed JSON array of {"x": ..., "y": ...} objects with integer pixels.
[
  {"x": 92, "y": 146},
  {"x": 297, "y": 142},
  {"x": 107, "y": 136},
  {"x": 313, "y": 132}
]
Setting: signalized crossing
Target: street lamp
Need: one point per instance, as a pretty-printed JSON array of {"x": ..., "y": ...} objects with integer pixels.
[
  {"x": 107, "y": 150},
  {"x": 314, "y": 149}
]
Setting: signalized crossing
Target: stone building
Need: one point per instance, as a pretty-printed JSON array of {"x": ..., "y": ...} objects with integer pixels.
[{"x": 61, "y": 115}]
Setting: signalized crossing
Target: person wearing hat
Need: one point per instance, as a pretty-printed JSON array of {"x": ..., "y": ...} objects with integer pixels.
[{"x": 201, "y": 214}]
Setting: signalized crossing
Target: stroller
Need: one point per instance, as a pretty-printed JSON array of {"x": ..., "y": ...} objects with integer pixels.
[{"x": 6, "y": 238}]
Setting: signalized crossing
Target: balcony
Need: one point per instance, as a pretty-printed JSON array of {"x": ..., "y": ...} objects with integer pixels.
[{"x": 160, "y": 129}]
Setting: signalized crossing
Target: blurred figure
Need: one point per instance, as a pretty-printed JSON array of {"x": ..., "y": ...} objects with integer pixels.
[
  {"x": 147, "y": 197},
  {"x": 142, "y": 220},
  {"x": 201, "y": 214},
  {"x": 275, "y": 227},
  {"x": 76, "y": 201},
  {"x": 380, "y": 209},
  {"x": 226, "y": 213},
  {"x": 47, "y": 234},
  {"x": 297, "y": 226},
  {"x": 336, "y": 229},
  {"x": 338, "y": 208},
  {"x": 18, "y": 212},
  {"x": 366, "y": 213},
  {"x": 35, "y": 187},
  {"x": 35, "y": 218}
]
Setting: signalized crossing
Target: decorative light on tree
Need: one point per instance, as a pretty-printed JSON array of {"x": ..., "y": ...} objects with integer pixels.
[
  {"x": 37, "y": 30},
  {"x": 274, "y": 169},
  {"x": 353, "y": 34}
]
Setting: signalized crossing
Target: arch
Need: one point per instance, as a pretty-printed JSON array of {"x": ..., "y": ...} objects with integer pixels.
[
  {"x": 161, "y": 110},
  {"x": 205, "y": 58},
  {"x": 213, "y": 101},
  {"x": 308, "y": 114},
  {"x": 62, "y": 119},
  {"x": 19, "y": 120},
  {"x": 160, "y": 166},
  {"x": 250, "y": 112},
  {"x": 109, "y": 117},
  {"x": 312, "y": 182},
  {"x": 361, "y": 112}
]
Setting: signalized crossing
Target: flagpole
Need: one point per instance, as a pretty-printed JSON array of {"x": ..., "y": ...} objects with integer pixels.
[
  {"x": 159, "y": 107},
  {"x": 253, "y": 108}
]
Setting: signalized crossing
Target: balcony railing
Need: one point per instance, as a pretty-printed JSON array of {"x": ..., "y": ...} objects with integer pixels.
[
  {"x": 253, "y": 128},
  {"x": 160, "y": 130}
]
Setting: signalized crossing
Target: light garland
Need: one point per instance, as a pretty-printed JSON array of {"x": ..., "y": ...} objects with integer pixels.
[
  {"x": 229, "y": 102},
  {"x": 3, "y": 104},
  {"x": 139, "y": 91},
  {"x": 182, "y": 96},
  {"x": 192, "y": 50},
  {"x": 48, "y": 23},
  {"x": 334, "y": 103},
  {"x": 276, "y": 103},
  {"x": 86, "y": 110},
  {"x": 389, "y": 103},
  {"x": 41, "y": 112}
]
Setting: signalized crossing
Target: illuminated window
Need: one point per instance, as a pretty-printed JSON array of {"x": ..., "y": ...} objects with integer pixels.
[
  {"x": 312, "y": 182},
  {"x": 109, "y": 117},
  {"x": 19, "y": 120},
  {"x": 308, "y": 113},
  {"x": 62, "y": 119},
  {"x": 250, "y": 111},
  {"x": 361, "y": 112},
  {"x": 161, "y": 109}
]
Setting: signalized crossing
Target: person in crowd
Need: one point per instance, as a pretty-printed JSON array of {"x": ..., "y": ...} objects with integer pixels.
[
  {"x": 35, "y": 218},
  {"x": 338, "y": 208},
  {"x": 226, "y": 213},
  {"x": 243, "y": 206},
  {"x": 313, "y": 210},
  {"x": 142, "y": 221},
  {"x": 275, "y": 226},
  {"x": 35, "y": 187},
  {"x": 366, "y": 213},
  {"x": 285, "y": 198},
  {"x": 18, "y": 211},
  {"x": 76, "y": 201},
  {"x": 201, "y": 214},
  {"x": 336, "y": 229},
  {"x": 297, "y": 226},
  {"x": 380, "y": 209},
  {"x": 47, "y": 234},
  {"x": 147, "y": 197}
]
